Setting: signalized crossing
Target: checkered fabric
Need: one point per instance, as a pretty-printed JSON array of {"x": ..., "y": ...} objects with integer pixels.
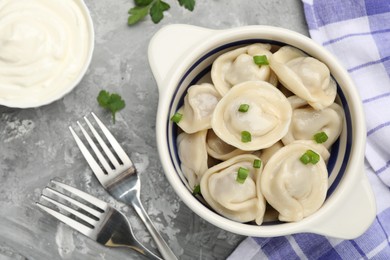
[{"x": 357, "y": 32}]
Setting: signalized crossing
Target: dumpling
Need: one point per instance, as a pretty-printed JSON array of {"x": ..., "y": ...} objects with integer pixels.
[
  {"x": 305, "y": 76},
  {"x": 218, "y": 149},
  {"x": 242, "y": 202},
  {"x": 306, "y": 122},
  {"x": 199, "y": 104},
  {"x": 296, "y": 190},
  {"x": 193, "y": 156},
  {"x": 267, "y": 153},
  {"x": 237, "y": 66},
  {"x": 273, "y": 79},
  {"x": 265, "y": 122}
]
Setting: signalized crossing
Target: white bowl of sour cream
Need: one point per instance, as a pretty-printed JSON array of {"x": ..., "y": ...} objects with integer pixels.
[
  {"x": 46, "y": 47},
  {"x": 182, "y": 56}
]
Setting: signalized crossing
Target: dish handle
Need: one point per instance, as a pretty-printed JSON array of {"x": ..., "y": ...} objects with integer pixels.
[
  {"x": 171, "y": 43},
  {"x": 352, "y": 217}
]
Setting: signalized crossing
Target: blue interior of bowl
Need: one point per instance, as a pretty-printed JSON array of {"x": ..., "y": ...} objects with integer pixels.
[{"x": 340, "y": 152}]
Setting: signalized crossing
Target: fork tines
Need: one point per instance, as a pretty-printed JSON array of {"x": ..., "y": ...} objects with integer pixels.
[
  {"x": 109, "y": 163},
  {"x": 72, "y": 209}
]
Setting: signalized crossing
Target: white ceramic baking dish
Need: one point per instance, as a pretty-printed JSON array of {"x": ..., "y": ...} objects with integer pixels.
[{"x": 180, "y": 55}]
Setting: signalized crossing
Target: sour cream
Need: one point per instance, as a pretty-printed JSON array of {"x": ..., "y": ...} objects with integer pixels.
[{"x": 45, "y": 48}]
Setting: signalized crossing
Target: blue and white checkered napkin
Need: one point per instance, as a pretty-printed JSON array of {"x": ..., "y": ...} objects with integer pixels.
[{"x": 357, "y": 32}]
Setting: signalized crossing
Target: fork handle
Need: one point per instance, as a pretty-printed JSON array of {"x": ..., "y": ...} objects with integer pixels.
[{"x": 162, "y": 246}]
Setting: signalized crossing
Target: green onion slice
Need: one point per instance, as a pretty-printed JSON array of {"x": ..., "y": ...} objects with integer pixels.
[
  {"x": 246, "y": 137},
  {"x": 242, "y": 174},
  {"x": 243, "y": 108},
  {"x": 310, "y": 157},
  {"x": 176, "y": 117},
  {"x": 305, "y": 158},
  {"x": 314, "y": 157},
  {"x": 261, "y": 60},
  {"x": 196, "y": 190},
  {"x": 256, "y": 163},
  {"x": 320, "y": 137}
]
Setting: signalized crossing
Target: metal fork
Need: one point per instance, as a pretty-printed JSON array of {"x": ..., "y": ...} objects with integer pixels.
[
  {"x": 118, "y": 177},
  {"x": 98, "y": 220}
]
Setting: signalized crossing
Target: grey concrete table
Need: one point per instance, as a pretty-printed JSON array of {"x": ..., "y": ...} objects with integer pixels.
[{"x": 36, "y": 145}]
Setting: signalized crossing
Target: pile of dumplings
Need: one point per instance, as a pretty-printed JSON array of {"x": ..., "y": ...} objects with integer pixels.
[{"x": 286, "y": 101}]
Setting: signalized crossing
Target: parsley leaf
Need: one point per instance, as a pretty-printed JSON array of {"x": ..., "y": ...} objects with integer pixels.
[
  {"x": 157, "y": 9},
  {"x": 112, "y": 102},
  {"x": 188, "y": 4},
  {"x": 142, "y": 2},
  {"x": 137, "y": 13}
]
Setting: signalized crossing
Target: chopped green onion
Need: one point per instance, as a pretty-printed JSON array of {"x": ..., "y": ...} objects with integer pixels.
[
  {"x": 256, "y": 163},
  {"x": 310, "y": 157},
  {"x": 261, "y": 60},
  {"x": 305, "y": 158},
  {"x": 176, "y": 117},
  {"x": 196, "y": 190},
  {"x": 242, "y": 174},
  {"x": 243, "y": 108},
  {"x": 246, "y": 137},
  {"x": 320, "y": 137},
  {"x": 314, "y": 157}
]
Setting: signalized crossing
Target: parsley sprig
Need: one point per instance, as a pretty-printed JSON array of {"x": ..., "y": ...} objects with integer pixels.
[
  {"x": 112, "y": 102},
  {"x": 155, "y": 8}
]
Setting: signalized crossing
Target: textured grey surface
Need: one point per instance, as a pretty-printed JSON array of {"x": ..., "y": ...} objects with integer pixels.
[{"x": 36, "y": 145}]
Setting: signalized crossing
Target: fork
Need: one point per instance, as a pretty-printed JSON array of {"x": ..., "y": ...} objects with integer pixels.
[
  {"x": 118, "y": 177},
  {"x": 98, "y": 220}
]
